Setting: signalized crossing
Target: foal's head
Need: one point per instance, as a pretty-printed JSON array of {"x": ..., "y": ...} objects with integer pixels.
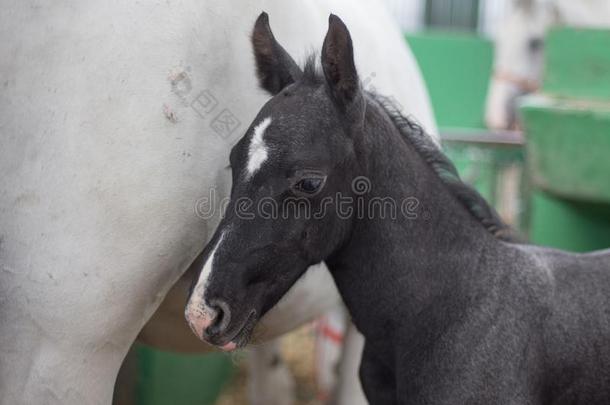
[{"x": 297, "y": 155}]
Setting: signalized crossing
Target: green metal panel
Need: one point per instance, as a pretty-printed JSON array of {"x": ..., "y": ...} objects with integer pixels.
[
  {"x": 568, "y": 148},
  {"x": 567, "y": 224},
  {"x": 578, "y": 63},
  {"x": 456, "y": 69},
  {"x": 179, "y": 379},
  {"x": 568, "y": 143}
]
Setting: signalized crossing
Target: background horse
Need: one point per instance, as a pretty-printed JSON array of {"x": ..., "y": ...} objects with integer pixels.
[
  {"x": 117, "y": 119},
  {"x": 519, "y": 48}
]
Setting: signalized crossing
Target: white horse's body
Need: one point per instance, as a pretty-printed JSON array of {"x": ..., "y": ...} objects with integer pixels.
[
  {"x": 518, "y": 64},
  {"x": 115, "y": 119}
]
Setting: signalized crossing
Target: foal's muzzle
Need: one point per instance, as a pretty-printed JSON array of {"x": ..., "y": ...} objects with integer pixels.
[{"x": 209, "y": 322}]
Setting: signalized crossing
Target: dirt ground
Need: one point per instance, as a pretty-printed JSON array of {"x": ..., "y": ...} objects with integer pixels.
[{"x": 298, "y": 352}]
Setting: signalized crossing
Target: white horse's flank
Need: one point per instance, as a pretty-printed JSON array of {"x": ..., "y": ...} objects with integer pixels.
[
  {"x": 116, "y": 119},
  {"x": 518, "y": 61}
]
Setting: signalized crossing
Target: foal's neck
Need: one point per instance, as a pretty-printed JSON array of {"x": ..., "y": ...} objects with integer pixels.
[{"x": 402, "y": 273}]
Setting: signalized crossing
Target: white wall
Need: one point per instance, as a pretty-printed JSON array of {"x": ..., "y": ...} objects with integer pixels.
[
  {"x": 408, "y": 13},
  {"x": 491, "y": 12}
]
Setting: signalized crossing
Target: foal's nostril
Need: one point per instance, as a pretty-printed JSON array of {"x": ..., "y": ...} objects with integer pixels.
[{"x": 222, "y": 318}]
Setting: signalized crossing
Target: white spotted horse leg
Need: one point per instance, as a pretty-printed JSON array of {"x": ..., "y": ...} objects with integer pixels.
[{"x": 270, "y": 382}]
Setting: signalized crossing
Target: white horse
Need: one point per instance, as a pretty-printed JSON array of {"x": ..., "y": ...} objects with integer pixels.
[
  {"x": 519, "y": 49},
  {"x": 116, "y": 119}
]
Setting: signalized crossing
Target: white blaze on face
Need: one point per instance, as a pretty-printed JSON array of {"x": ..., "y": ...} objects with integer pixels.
[
  {"x": 257, "y": 152},
  {"x": 198, "y": 314}
]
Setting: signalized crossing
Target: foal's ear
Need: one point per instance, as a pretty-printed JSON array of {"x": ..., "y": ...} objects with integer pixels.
[
  {"x": 338, "y": 63},
  {"x": 274, "y": 67}
]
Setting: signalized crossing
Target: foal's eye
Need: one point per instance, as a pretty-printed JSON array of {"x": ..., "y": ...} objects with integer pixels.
[{"x": 309, "y": 185}]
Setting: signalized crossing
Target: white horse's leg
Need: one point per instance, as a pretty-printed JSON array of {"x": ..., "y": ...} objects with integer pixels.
[
  {"x": 270, "y": 382},
  {"x": 53, "y": 356},
  {"x": 349, "y": 391},
  {"x": 39, "y": 370}
]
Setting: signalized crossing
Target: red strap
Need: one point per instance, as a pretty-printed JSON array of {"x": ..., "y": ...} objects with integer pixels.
[{"x": 329, "y": 332}]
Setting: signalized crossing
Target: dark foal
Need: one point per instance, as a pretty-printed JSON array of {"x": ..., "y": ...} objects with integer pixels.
[{"x": 453, "y": 312}]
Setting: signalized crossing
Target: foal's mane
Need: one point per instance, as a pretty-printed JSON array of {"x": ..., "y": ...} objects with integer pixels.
[{"x": 423, "y": 144}]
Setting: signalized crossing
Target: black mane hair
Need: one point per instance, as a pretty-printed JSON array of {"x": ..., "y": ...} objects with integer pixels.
[
  {"x": 312, "y": 72},
  {"x": 423, "y": 144},
  {"x": 446, "y": 171}
]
